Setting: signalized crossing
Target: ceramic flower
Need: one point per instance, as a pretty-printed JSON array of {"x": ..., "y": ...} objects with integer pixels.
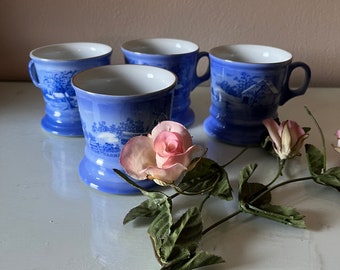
[
  {"x": 163, "y": 155},
  {"x": 337, "y": 147},
  {"x": 287, "y": 137}
]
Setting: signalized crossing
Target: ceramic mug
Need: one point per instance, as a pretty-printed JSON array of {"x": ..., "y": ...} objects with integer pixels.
[
  {"x": 179, "y": 56},
  {"x": 117, "y": 102},
  {"x": 51, "y": 69},
  {"x": 248, "y": 83}
]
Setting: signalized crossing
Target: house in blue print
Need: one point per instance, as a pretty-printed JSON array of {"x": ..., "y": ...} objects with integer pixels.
[{"x": 262, "y": 93}]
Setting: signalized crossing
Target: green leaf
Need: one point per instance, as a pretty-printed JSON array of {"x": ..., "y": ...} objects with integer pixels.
[
  {"x": 199, "y": 259},
  {"x": 186, "y": 233},
  {"x": 222, "y": 188},
  {"x": 250, "y": 191},
  {"x": 267, "y": 145},
  {"x": 283, "y": 214},
  {"x": 159, "y": 230},
  {"x": 306, "y": 129},
  {"x": 176, "y": 245},
  {"x": 246, "y": 173},
  {"x": 150, "y": 207},
  {"x": 207, "y": 176},
  {"x": 315, "y": 159},
  {"x": 330, "y": 178},
  {"x": 156, "y": 203},
  {"x": 179, "y": 256},
  {"x": 255, "y": 199}
]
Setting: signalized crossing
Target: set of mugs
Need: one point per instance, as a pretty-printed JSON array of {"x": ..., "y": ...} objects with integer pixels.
[{"x": 108, "y": 104}]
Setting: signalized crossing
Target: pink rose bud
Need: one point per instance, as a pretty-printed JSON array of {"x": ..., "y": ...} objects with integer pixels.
[
  {"x": 287, "y": 138},
  {"x": 337, "y": 147}
]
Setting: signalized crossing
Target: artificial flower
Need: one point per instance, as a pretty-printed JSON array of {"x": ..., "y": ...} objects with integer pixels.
[
  {"x": 162, "y": 156},
  {"x": 337, "y": 147},
  {"x": 176, "y": 239},
  {"x": 287, "y": 137}
]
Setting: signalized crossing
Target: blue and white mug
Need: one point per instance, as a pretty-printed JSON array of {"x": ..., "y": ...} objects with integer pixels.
[
  {"x": 248, "y": 84},
  {"x": 51, "y": 69},
  {"x": 178, "y": 56},
  {"x": 116, "y": 103}
]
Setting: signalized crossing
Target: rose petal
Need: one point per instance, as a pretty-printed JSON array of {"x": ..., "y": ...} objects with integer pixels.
[
  {"x": 286, "y": 141},
  {"x": 183, "y": 158},
  {"x": 168, "y": 143},
  {"x": 338, "y": 134},
  {"x": 173, "y": 127},
  {"x": 295, "y": 131},
  {"x": 168, "y": 175},
  {"x": 273, "y": 130},
  {"x": 136, "y": 155},
  {"x": 298, "y": 145}
]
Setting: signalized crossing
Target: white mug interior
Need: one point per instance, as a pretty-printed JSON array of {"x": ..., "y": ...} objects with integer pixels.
[
  {"x": 160, "y": 46},
  {"x": 71, "y": 51},
  {"x": 125, "y": 80},
  {"x": 248, "y": 53}
]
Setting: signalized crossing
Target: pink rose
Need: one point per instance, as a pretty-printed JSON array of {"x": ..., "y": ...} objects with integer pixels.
[
  {"x": 162, "y": 156},
  {"x": 287, "y": 138}
]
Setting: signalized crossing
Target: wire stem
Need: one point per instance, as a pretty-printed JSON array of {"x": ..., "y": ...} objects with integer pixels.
[
  {"x": 236, "y": 157},
  {"x": 279, "y": 171},
  {"x": 221, "y": 221},
  {"x": 322, "y": 138}
]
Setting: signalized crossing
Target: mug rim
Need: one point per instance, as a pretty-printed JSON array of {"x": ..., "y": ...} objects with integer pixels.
[
  {"x": 133, "y": 46},
  {"x": 39, "y": 54},
  {"x": 129, "y": 67},
  {"x": 228, "y": 54}
]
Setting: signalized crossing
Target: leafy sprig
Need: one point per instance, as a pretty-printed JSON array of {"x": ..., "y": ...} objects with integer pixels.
[{"x": 176, "y": 242}]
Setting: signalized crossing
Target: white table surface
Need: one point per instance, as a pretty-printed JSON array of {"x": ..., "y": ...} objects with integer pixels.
[{"x": 49, "y": 219}]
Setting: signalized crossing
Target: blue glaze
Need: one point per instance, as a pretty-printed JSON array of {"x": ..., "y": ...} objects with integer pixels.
[
  {"x": 108, "y": 122},
  {"x": 244, "y": 94},
  {"x": 53, "y": 77},
  {"x": 183, "y": 64}
]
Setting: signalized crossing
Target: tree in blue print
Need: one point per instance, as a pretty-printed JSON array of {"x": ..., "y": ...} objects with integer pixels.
[{"x": 58, "y": 89}]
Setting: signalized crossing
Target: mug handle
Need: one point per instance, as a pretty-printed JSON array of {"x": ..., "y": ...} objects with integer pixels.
[
  {"x": 33, "y": 73},
  {"x": 289, "y": 93},
  {"x": 206, "y": 75}
]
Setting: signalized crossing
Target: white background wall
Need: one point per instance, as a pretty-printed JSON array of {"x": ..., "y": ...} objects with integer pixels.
[{"x": 309, "y": 29}]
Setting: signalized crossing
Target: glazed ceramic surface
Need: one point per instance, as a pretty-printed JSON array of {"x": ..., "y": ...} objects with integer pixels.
[
  {"x": 179, "y": 56},
  {"x": 248, "y": 83},
  {"x": 51, "y": 69},
  {"x": 117, "y": 102}
]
